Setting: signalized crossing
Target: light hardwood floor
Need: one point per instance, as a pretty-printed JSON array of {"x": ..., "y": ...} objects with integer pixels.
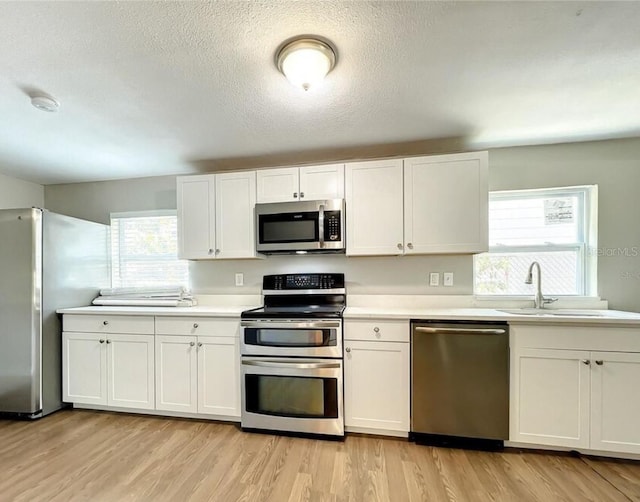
[{"x": 100, "y": 456}]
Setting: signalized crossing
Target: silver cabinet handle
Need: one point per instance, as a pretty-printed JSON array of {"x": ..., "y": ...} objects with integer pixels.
[
  {"x": 217, "y": 251},
  {"x": 301, "y": 195},
  {"x": 199, "y": 344},
  {"x": 192, "y": 344},
  {"x": 599, "y": 362},
  {"x": 101, "y": 340},
  {"x": 104, "y": 323},
  {"x": 348, "y": 349},
  {"x": 210, "y": 251},
  {"x": 108, "y": 341},
  {"x": 410, "y": 246},
  {"x": 295, "y": 195},
  {"x": 376, "y": 330},
  {"x": 195, "y": 325},
  {"x": 460, "y": 331},
  {"x": 399, "y": 246},
  {"x": 586, "y": 361}
]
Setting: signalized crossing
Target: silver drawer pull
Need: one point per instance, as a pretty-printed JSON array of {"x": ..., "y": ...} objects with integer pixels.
[
  {"x": 199, "y": 344},
  {"x": 599, "y": 362},
  {"x": 105, "y": 323},
  {"x": 376, "y": 330},
  {"x": 192, "y": 344},
  {"x": 101, "y": 340},
  {"x": 348, "y": 349},
  {"x": 195, "y": 325}
]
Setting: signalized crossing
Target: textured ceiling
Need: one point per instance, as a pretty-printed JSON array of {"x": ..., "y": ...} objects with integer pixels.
[{"x": 152, "y": 88}]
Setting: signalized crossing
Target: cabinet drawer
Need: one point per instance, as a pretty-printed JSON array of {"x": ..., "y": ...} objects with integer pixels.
[
  {"x": 134, "y": 324},
  {"x": 377, "y": 329},
  {"x": 203, "y": 326}
]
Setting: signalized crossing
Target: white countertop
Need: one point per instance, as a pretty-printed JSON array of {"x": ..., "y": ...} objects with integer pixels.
[
  {"x": 201, "y": 310},
  {"x": 378, "y": 312},
  {"x": 484, "y": 314}
]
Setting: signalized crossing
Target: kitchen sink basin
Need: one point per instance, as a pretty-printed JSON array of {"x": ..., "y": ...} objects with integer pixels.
[{"x": 552, "y": 312}]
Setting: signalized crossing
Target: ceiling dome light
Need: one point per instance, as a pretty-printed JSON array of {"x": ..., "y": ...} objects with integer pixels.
[
  {"x": 306, "y": 61},
  {"x": 45, "y": 103}
]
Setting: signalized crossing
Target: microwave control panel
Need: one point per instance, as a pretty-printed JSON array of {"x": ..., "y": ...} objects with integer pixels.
[{"x": 332, "y": 230}]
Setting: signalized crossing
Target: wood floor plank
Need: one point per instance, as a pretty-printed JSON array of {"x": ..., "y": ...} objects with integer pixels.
[{"x": 77, "y": 455}]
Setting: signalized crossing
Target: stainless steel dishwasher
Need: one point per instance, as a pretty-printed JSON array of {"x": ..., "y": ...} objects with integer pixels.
[{"x": 460, "y": 383}]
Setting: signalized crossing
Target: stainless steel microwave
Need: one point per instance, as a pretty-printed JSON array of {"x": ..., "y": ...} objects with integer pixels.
[{"x": 314, "y": 226}]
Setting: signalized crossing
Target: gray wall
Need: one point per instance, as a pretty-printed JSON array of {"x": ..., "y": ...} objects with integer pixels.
[
  {"x": 613, "y": 165},
  {"x": 15, "y": 193}
]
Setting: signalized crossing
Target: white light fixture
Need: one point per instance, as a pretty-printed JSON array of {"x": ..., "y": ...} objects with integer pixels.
[
  {"x": 45, "y": 103},
  {"x": 306, "y": 61}
]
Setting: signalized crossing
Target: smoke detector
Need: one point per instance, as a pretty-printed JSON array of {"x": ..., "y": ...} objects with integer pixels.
[{"x": 45, "y": 103}]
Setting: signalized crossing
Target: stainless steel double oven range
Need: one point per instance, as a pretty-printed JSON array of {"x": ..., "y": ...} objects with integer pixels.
[{"x": 291, "y": 356}]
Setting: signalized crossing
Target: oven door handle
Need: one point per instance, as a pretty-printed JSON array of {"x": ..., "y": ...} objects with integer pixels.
[
  {"x": 280, "y": 324},
  {"x": 297, "y": 365}
]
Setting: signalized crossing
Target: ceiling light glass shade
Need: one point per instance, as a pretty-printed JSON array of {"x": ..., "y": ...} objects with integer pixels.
[{"x": 306, "y": 61}]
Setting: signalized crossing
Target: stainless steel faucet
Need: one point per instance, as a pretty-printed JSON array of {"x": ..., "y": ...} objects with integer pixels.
[{"x": 539, "y": 301}]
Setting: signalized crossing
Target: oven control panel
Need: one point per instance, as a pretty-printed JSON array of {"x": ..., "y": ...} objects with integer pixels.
[{"x": 302, "y": 281}]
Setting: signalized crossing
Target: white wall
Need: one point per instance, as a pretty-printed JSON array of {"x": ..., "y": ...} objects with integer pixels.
[
  {"x": 613, "y": 165},
  {"x": 15, "y": 193}
]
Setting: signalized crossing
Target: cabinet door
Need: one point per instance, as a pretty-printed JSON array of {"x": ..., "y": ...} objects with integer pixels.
[
  {"x": 373, "y": 196},
  {"x": 219, "y": 376},
  {"x": 130, "y": 371},
  {"x": 235, "y": 229},
  {"x": 196, "y": 218},
  {"x": 550, "y": 397},
  {"x": 277, "y": 185},
  {"x": 84, "y": 368},
  {"x": 445, "y": 204},
  {"x": 176, "y": 373},
  {"x": 615, "y": 402},
  {"x": 322, "y": 182},
  {"x": 376, "y": 383}
]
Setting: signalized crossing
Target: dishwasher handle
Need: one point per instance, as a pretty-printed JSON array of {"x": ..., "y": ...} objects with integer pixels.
[{"x": 460, "y": 331}]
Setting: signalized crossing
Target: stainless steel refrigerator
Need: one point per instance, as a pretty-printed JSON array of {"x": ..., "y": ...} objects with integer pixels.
[{"x": 47, "y": 261}]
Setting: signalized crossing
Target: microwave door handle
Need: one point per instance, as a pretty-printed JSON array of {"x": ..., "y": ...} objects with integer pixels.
[{"x": 321, "y": 226}]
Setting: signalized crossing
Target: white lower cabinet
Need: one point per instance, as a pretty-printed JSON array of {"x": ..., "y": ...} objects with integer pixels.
[
  {"x": 376, "y": 377},
  {"x": 109, "y": 369},
  {"x": 197, "y": 374},
  {"x": 583, "y": 399}
]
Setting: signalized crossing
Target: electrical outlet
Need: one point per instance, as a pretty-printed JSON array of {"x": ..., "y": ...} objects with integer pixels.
[
  {"x": 239, "y": 279},
  {"x": 447, "y": 278},
  {"x": 434, "y": 279}
]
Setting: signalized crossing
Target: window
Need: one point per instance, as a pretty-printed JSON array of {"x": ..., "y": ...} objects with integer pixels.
[
  {"x": 144, "y": 250},
  {"x": 555, "y": 227}
]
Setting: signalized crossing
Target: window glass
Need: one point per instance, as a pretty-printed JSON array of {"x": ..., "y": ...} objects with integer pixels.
[
  {"x": 550, "y": 226},
  {"x": 144, "y": 250}
]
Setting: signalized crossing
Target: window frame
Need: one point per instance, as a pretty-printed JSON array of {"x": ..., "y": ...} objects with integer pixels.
[
  {"x": 137, "y": 214},
  {"x": 585, "y": 246}
]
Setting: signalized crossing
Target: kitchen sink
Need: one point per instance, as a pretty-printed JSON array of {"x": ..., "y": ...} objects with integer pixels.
[{"x": 552, "y": 312}]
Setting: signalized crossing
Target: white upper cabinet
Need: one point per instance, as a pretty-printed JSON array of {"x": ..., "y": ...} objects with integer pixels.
[
  {"x": 235, "y": 223},
  {"x": 322, "y": 182},
  {"x": 215, "y": 215},
  {"x": 196, "y": 216},
  {"x": 420, "y": 205},
  {"x": 373, "y": 198},
  {"x": 445, "y": 204},
  {"x": 300, "y": 183}
]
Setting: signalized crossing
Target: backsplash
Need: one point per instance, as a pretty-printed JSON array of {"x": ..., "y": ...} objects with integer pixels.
[{"x": 392, "y": 275}]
